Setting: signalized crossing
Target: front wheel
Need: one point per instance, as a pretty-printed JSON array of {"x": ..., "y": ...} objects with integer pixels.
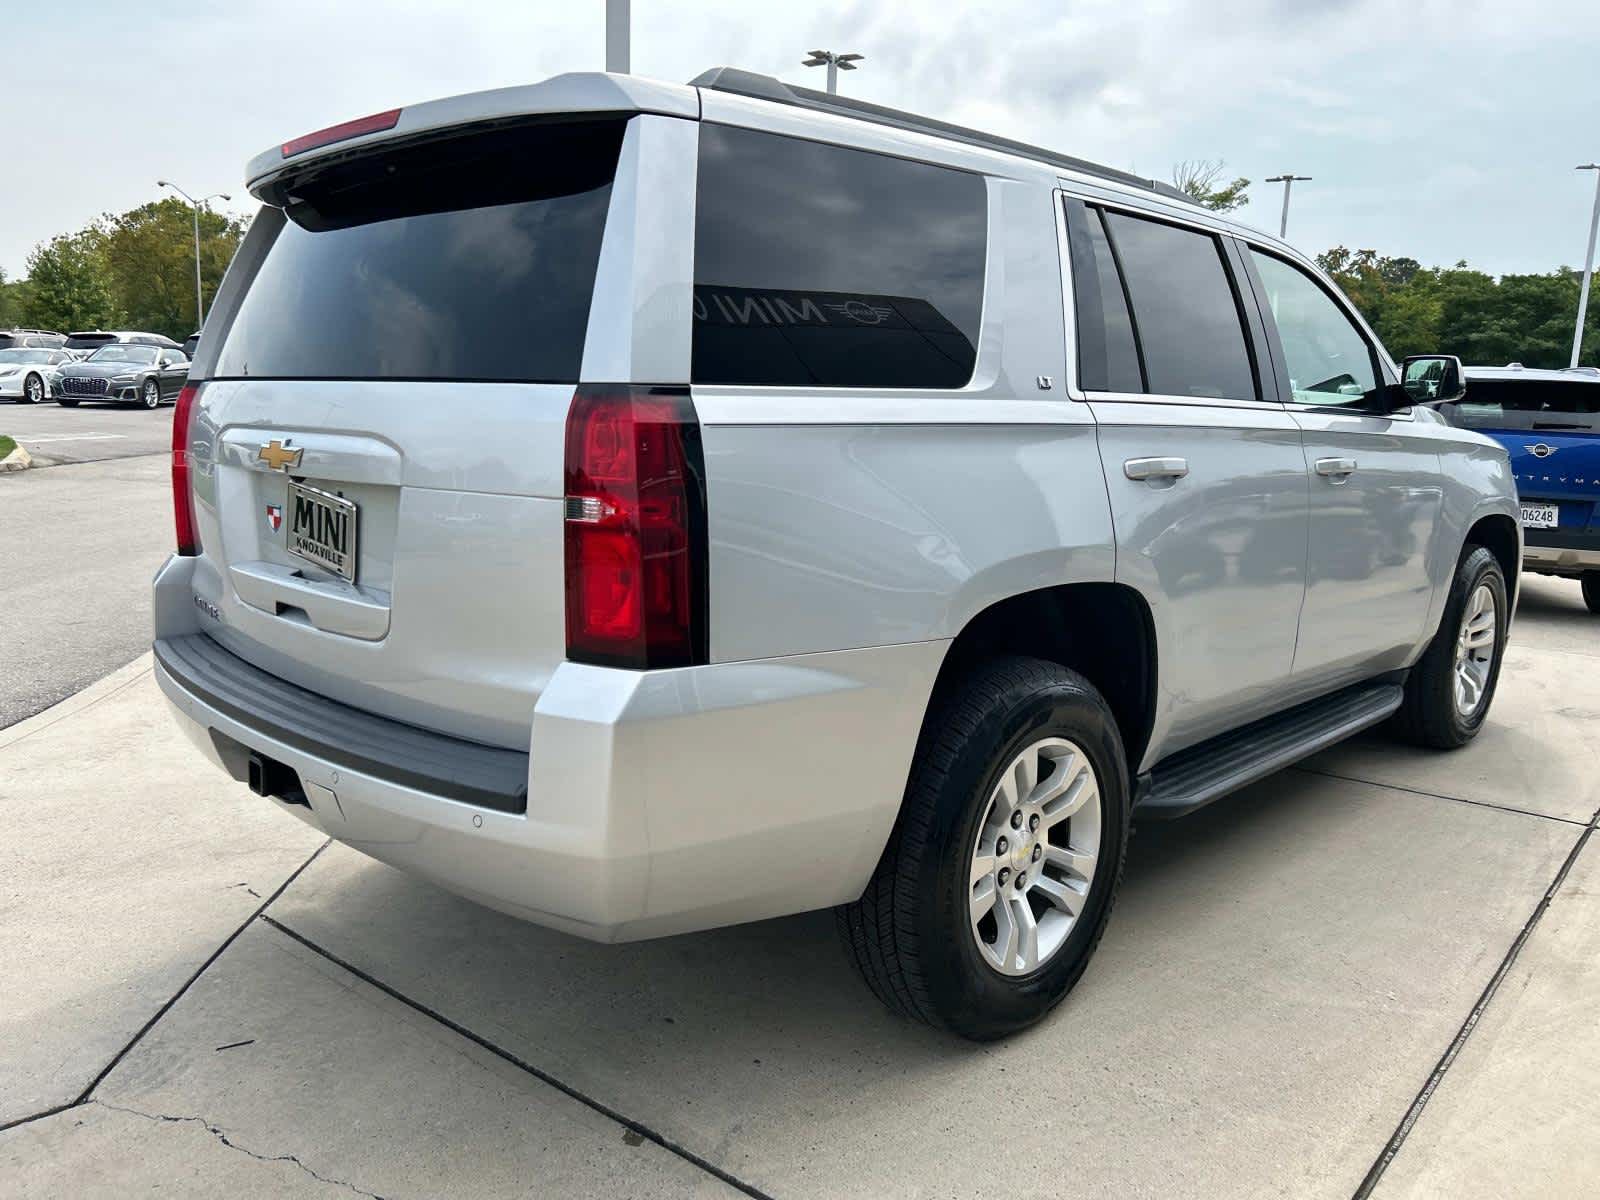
[
  {"x": 1591, "y": 590},
  {"x": 33, "y": 389},
  {"x": 1000, "y": 873},
  {"x": 1449, "y": 690},
  {"x": 151, "y": 394}
]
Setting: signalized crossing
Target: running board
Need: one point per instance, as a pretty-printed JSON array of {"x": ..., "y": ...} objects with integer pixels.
[{"x": 1195, "y": 777}]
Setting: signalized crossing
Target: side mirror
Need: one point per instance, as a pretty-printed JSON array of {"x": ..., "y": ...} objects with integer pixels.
[{"x": 1432, "y": 379}]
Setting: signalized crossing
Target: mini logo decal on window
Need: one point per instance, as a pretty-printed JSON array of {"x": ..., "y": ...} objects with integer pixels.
[
  {"x": 863, "y": 313},
  {"x": 274, "y": 517}
]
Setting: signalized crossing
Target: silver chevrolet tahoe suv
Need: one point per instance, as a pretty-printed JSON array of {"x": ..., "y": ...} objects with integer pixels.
[{"x": 644, "y": 508}]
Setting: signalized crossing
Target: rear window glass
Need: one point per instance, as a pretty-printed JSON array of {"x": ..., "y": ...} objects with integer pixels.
[
  {"x": 469, "y": 258},
  {"x": 1108, "y": 356},
  {"x": 1532, "y": 404},
  {"x": 817, "y": 265},
  {"x": 1183, "y": 309}
]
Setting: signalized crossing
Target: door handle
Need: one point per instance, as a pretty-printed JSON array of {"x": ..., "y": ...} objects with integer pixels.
[
  {"x": 1336, "y": 468},
  {"x": 1156, "y": 468}
]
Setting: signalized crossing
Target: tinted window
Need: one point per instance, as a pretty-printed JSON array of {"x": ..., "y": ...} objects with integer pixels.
[
  {"x": 123, "y": 353},
  {"x": 821, "y": 266},
  {"x": 472, "y": 258},
  {"x": 1328, "y": 360},
  {"x": 1108, "y": 358},
  {"x": 1558, "y": 405},
  {"x": 1184, "y": 310}
]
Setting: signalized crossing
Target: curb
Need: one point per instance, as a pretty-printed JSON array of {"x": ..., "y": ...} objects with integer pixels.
[
  {"x": 17, "y": 460},
  {"x": 91, "y": 695}
]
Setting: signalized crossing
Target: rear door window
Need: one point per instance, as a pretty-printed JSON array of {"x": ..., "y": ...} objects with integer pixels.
[
  {"x": 470, "y": 258},
  {"x": 822, "y": 266},
  {"x": 1108, "y": 354},
  {"x": 1185, "y": 311}
]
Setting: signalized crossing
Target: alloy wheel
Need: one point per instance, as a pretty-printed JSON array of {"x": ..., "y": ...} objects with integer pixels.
[
  {"x": 1475, "y": 650},
  {"x": 1033, "y": 860}
]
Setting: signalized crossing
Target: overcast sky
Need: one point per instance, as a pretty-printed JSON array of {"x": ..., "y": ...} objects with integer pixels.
[{"x": 1441, "y": 131}]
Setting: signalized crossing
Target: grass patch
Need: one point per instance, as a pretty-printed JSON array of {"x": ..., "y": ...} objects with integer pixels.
[{"x": 7, "y": 445}]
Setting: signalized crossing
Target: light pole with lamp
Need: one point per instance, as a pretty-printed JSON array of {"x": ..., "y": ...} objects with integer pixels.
[
  {"x": 1288, "y": 182},
  {"x": 199, "y": 308},
  {"x": 835, "y": 63}
]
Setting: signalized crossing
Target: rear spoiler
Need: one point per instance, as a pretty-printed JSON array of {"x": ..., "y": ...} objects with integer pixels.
[{"x": 270, "y": 172}]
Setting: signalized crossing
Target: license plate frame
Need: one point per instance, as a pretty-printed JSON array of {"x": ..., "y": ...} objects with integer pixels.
[
  {"x": 1541, "y": 516},
  {"x": 323, "y": 529}
]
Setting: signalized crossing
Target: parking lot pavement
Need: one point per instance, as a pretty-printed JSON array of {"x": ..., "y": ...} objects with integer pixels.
[
  {"x": 121, "y": 872},
  {"x": 79, "y": 545},
  {"x": 89, "y": 433},
  {"x": 1285, "y": 972}
]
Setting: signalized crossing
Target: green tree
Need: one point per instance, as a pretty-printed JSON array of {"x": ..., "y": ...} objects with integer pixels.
[
  {"x": 1202, "y": 179},
  {"x": 69, "y": 285},
  {"x": 150, "y": 252}
]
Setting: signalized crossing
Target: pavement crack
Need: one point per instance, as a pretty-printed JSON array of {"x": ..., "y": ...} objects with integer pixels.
[{"x": 221, "y": 1135}]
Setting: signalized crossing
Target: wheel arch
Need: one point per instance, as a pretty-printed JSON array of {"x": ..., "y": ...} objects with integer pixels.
[
  {"x": 1498, "y": 534},
  {"x": 1104, "y": 631}
]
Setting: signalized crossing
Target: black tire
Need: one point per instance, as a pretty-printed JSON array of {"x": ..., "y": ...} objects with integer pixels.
[
  {"x": 33, "y": 388},
  {"x": 1429, "y": 716},
  {"x": 910, "y": 935},
  {"x": 150, "y": 394},
  {"x": 1590, "y": 581},
  {"x": 66, "y": 402}
]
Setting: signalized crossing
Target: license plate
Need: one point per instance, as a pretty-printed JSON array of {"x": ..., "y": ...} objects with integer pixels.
[
  {"x": 322, "y": 529},
  {"x": 1540, "y": 516}
]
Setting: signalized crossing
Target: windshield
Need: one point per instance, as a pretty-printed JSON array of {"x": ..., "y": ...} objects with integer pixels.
[
  {"x": 1558, "y": 405},
  {"x": 24, "y": 356},
  {"x": 132, "y": 354}
]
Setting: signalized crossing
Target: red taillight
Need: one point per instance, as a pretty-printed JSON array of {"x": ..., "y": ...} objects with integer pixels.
[
  {"x": 182, "y": 487},
  {"x": 376, "y": 123},
  {"x": 635, "y": 529}
]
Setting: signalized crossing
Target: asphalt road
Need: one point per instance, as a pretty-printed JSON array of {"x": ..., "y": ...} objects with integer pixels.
[
  {"x": 79, "y": 545},
  {"x": 88, "y": 433}
]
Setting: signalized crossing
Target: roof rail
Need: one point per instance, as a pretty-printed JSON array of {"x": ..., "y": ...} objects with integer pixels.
[{"x": 765, "y": 87}]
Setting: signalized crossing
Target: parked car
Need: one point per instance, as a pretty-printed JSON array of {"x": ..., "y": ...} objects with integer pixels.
[
  {"x": 1549, "y": 423},
  {"x": 125, "y": 373},
  {"x": 92, "y": 339},
  {"x": 191, "y": 344},
  {"x": 32, "y": 339},
  {"x": 823, "y": 506},
  {"x": 30, "y": 376}
]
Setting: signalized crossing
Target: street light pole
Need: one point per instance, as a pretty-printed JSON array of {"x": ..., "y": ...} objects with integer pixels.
[
  {"x": 1588, "y": 265},
  {"x": 199, "y": 307},
  {"x": 1288, "y": 182},
  {"x": 835, "y": 63},
  {"x": 617, "y": 36}
]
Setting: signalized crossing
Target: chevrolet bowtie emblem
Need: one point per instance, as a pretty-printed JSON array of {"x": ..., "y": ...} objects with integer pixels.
[{"x": 279, "y": 457}]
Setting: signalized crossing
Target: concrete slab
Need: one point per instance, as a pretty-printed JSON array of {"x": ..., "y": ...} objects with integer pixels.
[
  {"x": 1283, "y": 972},
  {"x": 1551, "y": 615},
  {"x": 1517, "y": 1112},
  {"x": 1535, "y": 752},
  {"x": 125, "y": 861},
  {"x": 99, "y": 1153},
  {"x": 341, "y": 1083}
]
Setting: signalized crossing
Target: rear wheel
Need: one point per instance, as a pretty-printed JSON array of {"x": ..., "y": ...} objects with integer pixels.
[
  {"x": 1591, "y": 590},
  {"x": 999, "y": 877},
  {"x": 1450, "y": 689},
  {"x": 151, "y": 394},
  {"x": 33, "y": 389}
]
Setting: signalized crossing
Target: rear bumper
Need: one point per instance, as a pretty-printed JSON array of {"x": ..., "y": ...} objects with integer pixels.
[
  {"x": 655, "y": 802},
  {"x": 1560, "y": 552}
]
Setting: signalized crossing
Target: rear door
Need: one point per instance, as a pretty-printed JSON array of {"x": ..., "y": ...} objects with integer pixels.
[
  {"x": 1376, "y": 492},
  {"x": 381, "y": 423},
  {"x": 1205, "y": 471}
]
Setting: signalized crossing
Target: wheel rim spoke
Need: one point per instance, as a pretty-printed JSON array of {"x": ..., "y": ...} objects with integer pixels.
[{"x": 1041, "y": 834}]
